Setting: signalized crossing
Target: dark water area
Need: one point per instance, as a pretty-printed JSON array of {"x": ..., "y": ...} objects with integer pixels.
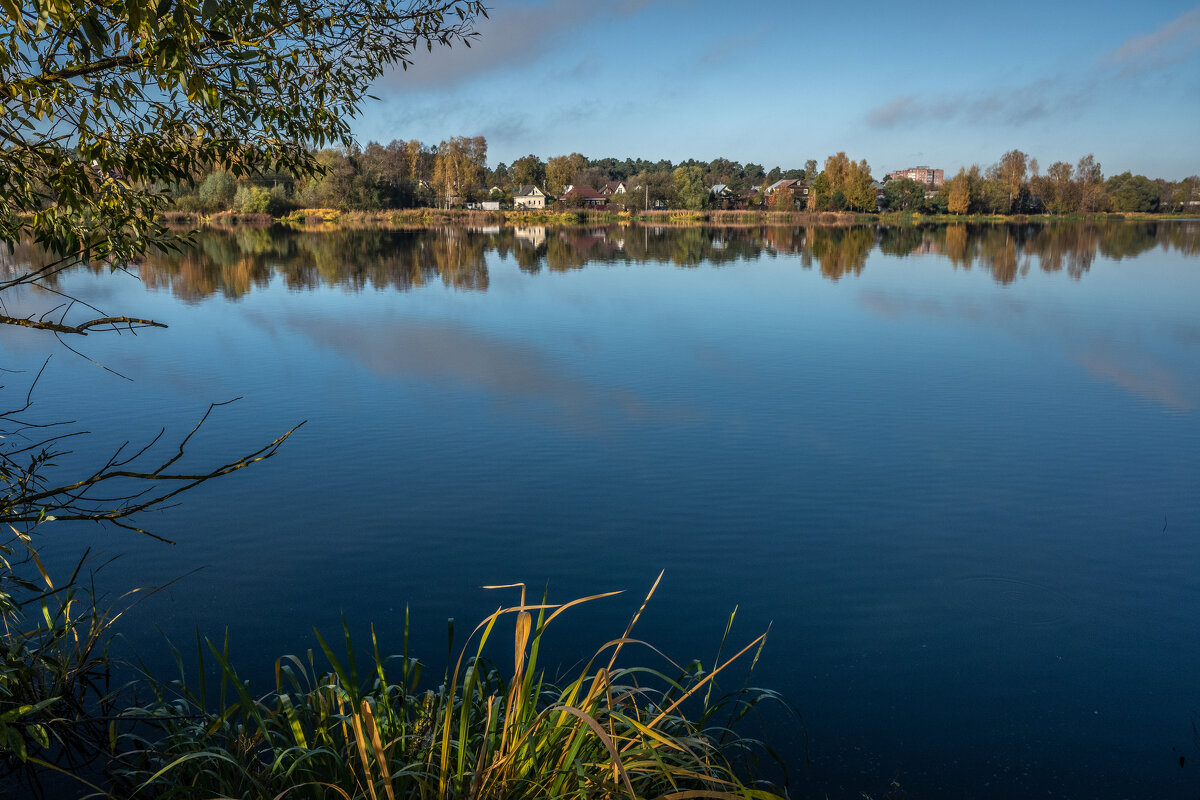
[{"x": 956, "y": 470}]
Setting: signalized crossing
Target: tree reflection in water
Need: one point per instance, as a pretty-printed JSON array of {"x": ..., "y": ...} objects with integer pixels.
[{"x": 232, "y": 261}]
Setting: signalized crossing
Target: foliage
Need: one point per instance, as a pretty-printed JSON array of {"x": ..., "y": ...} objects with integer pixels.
[
  {"x": 611, "y": 731},
  {"x": 843, "y": 184},
  {"x": 54, "y": 668},
  {"x": 528, "y": 171},
  {"x": 561, "y": 171},
  {"x": 690, "y": 189},
  {"x": 904, "y": 194},
  {"x": 217, "y": 191},
  {"x": 459, "y": 168},
  {"x": 106, "y": 101},
  {"x": 252, "y": 200},
  {"x": 959, "y": 195},
  {"x": 782, "y": 200},
  {"x": 1133, "y": 193}
]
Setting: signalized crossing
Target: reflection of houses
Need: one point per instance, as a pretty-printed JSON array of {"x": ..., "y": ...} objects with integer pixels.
[
  {"x": 582, "y": 195},
  {"x": 534, "y": 235},
  {"x": 933, "y": 178},
  {"x": 529, "y": 197}
]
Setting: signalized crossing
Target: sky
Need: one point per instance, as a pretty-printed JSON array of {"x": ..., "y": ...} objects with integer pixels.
[{"x": 779, "y": 82}]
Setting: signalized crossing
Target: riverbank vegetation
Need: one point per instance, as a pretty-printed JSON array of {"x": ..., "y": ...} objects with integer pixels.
[
  {"x": 481, "y": 726},
  {"x": 410, "y": 175}
]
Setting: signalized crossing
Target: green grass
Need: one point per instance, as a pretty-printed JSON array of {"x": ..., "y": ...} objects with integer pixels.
[{"x": 334, "y": 731}]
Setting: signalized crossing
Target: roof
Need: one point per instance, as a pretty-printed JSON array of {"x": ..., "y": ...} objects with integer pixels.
[
  {"x": 583, "y": 192},
  {"x": 528, "y": 191},
  {"x": 786, "y": 183}
]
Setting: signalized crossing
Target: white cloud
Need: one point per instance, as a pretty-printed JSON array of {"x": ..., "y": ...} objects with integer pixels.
[
  {"x": 1053, "y": 96},
  {"x": 511, "y": 37}
]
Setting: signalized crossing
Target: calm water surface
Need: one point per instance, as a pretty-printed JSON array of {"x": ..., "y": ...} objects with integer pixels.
[{"x": 956, "y": 469}]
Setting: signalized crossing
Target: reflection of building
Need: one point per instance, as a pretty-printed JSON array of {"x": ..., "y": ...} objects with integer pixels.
[
  {"x": 926, "y": 175},
  {"x": 529, "y": 197},
  {"x": 533, "y": 234}
]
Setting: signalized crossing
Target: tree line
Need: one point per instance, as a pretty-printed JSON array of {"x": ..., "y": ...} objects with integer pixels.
[{"x": 455, "y": 172}]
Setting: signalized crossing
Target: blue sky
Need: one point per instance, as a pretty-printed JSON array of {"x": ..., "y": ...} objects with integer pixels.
[{"x": 777, "y": 83}]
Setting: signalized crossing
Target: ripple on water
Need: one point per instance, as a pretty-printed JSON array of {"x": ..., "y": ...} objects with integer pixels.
[{"x": 1010, "y": 600}]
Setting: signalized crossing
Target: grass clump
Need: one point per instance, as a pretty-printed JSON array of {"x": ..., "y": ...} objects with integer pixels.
[{"x": 483, "y": 732}]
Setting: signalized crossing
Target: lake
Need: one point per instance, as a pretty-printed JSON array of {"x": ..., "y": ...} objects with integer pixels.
[{"x": 956, "y": 469}]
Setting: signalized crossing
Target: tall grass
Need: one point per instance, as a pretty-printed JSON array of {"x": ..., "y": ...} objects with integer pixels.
[
  {"x": 54, "y": 672},
  {"x": 481, "y": 732}
]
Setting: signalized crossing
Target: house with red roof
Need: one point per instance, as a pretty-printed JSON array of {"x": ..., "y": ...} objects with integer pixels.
[{"x": 582, "y": 196}]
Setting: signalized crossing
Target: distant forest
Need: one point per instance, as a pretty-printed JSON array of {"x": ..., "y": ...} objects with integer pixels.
[{"x": 415, "y": 174}]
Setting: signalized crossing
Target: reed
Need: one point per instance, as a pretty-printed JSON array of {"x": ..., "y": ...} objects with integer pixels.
[{"x": 611, "y": 731}]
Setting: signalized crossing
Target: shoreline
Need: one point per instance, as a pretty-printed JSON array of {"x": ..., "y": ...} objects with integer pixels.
[{"x": 319, "y": 219}]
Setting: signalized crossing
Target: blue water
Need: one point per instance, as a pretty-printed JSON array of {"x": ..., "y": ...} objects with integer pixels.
[{"x": 961, "y": 485}]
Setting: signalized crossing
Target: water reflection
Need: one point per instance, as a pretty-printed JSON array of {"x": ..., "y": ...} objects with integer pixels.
[{"x": 231, "y": 262}]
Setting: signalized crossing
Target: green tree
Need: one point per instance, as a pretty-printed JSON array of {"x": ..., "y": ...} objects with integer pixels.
[
  {"x": 690, "y": 190},
  {"x": 528, "y": 171},
  {"x": 217, "y": 191},
  {"x": 1128, "y": 192},
  {"x": 904, "y": 194},
  {"x": 561, "y": 171},
  {"x": 252, "y": 200}
]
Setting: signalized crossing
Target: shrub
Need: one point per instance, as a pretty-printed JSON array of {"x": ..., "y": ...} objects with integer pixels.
[{"x": 252, "y": 200}]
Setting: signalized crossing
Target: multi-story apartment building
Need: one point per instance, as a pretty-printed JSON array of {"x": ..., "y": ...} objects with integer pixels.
[{"x": 927, "y": 175}]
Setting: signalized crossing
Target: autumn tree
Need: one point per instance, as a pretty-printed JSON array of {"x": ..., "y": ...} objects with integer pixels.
[
  {"x": 1061, "y": 189},
  {"x": 782, "y": 200},
  {"x": 842, "y": 184},
  {"x": 561, "y": 170},
  {"x": 1089, "y": 180},
  {"x": 960, "y": 193},
  {"x": 459, "y": 168},
  {"x": 1011, "y": 173}
]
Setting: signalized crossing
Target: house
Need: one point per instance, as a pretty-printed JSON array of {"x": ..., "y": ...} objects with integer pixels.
[
  {"x": 583, "y": 195},
  {"x": 797, "y": 188},
  {"x": 529, "y": 197},
  {"x": 613, "y": 187},
  {"x": 721, "y": 191}
]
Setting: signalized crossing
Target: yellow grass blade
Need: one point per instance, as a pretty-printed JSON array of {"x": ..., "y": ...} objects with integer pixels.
[
  {"x": 376, "y": 744},
  {"x": 360, "y": 743},
  {"x": 618, "y": 769},
  {"x": 629, "y": 628},
  {"x": 705, "y": 680}
]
